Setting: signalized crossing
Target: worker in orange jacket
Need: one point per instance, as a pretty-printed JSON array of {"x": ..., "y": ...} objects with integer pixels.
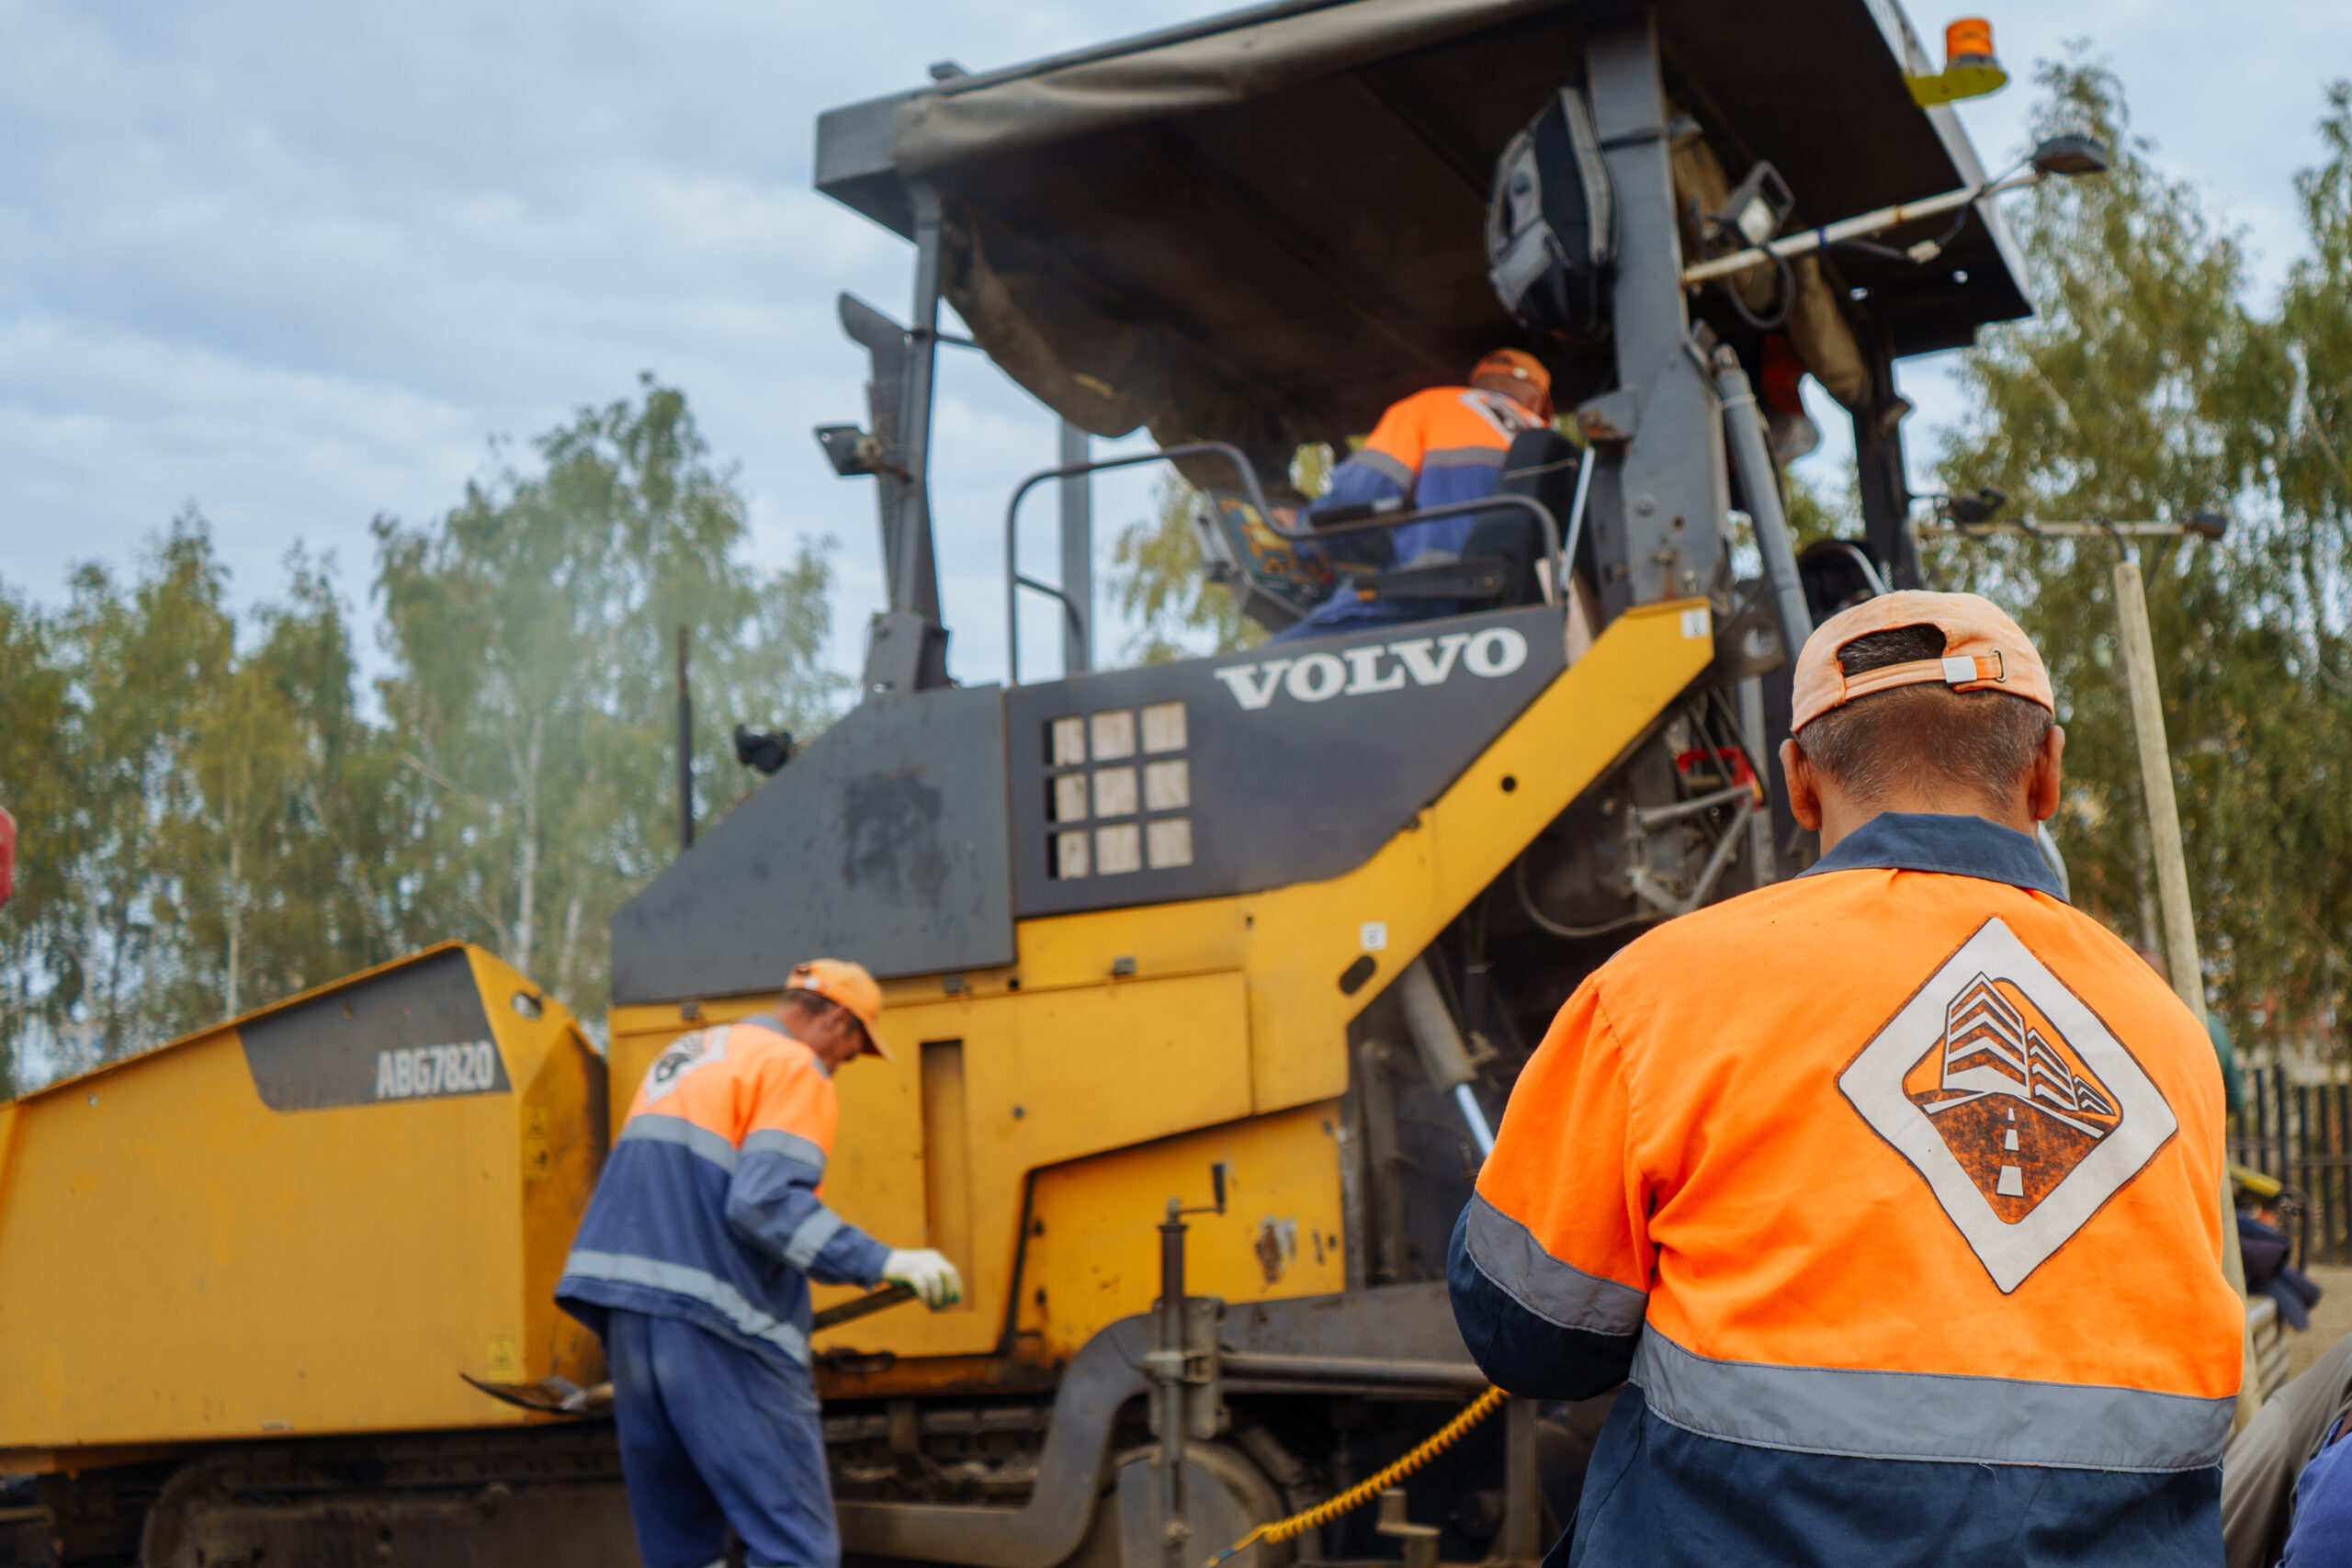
[
  {"x": 693, "y": 1264},
  {"x": 1909, "y": 1239},
  {"x": 1441, "y": 444}
]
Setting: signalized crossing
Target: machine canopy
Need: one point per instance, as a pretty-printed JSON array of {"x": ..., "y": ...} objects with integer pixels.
[{"x": 1266, "y": 226}]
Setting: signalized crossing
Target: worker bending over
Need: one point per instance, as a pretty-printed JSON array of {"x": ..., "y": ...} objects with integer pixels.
[
  {"x": 693, "y": 1264},
  {"x": 1910, "y": 1238},
  {"x": 1440, "y": 444}
]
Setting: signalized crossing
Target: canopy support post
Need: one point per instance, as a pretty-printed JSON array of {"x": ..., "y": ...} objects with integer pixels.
[
  {"x": 906, "y": 647},
  {"x": 1658, "y": 499},
  {"x": 1879, "y": 469},
  {"x": 1078, "y": 552}
]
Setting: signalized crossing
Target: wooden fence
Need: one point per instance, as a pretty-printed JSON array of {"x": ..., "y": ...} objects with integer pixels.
[{"x": 2298, "y": 1132}]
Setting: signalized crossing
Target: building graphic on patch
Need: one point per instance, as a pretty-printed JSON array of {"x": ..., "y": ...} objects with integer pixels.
[
  {"x": 2017, "y": 1106},
  {"x": 2009, "y": 1097}
]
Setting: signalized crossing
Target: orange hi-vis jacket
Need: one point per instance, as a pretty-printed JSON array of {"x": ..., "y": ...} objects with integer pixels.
[
  {"x": 1895, "y": 1191},
  {"x": 1441, "y": 444},
  {"x": 708, "y": 1208}
]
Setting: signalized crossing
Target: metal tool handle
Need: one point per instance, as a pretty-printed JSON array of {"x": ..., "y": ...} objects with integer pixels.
[{"x": 863, "y": 1306}]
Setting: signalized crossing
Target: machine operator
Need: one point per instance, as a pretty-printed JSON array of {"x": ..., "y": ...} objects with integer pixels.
[
  {"x": 693, "y": 1265},
  {"x": 1443, "y": 444},
  {"x": 1909, "y": 1242}
]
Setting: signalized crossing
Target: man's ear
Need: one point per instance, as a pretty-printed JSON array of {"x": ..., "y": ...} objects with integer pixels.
[
  {"x": 2047, "y": 777},
  {"x": 1804, "y": 791}
]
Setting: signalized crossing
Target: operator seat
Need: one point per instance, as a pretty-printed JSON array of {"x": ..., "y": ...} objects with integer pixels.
[
  {"x": 1497, "y": 569},
  {"x": 1541, "y": 465}
]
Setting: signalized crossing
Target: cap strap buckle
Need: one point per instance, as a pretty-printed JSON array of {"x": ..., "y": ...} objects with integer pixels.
[{"x": 1961, "y": 669}]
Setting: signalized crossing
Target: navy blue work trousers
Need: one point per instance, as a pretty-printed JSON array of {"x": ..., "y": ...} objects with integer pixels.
[{"x": 714, "y": 1435}]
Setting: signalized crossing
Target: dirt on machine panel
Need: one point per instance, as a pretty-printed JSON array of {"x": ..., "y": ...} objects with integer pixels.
[{"x": 311, "y": 1219}]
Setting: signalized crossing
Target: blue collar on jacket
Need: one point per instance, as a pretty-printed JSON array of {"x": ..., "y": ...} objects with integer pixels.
[{"x": 1958, "y": 846}]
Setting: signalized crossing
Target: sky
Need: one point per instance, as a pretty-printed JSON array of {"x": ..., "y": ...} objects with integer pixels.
[{"x": 299, "y": 266}]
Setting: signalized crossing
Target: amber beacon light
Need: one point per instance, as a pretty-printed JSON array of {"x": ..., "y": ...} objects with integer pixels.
[{"x": 1970, "y": 68}]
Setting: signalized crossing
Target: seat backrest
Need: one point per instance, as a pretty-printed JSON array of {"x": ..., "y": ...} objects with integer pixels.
[{"x": 1542, "y": 465}]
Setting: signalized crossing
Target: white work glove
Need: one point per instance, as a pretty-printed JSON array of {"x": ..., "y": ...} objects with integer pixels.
[{"x": 928, "y": 1274}]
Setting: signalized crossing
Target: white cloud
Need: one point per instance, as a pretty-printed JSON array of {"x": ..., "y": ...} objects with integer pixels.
[{"x": 104, "y": 433}]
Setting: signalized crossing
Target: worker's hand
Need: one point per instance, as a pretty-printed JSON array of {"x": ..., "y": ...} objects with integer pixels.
[{"x": 928, "y": 1274}]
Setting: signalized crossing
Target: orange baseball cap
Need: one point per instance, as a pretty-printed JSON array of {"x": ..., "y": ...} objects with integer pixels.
[
  {"x": 1522, "y": 365},
  {"x": 838, "y": 980},
  {"x": 1983, "y": 651}
]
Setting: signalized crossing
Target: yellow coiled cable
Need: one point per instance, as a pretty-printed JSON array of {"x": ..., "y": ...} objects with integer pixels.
[{"x": 1363, "y": 1492}]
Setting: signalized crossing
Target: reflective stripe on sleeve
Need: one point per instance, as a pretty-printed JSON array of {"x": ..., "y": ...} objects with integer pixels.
[
  {"x": 1507, "y": 1253},
  {"x": 1391, "y": 468},
  {"x": 811, "y": 1239},
  {"x": 661, "y": 1128},
  {"x": 623, "y": 1268},
  {"x": 1463, "y": 458},
  {"x": 1928, "y": 1416},
  {"x": 791, "y": 1146}
]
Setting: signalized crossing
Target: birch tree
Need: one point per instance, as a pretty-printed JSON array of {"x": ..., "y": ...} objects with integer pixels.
[{"x": 534, "y": 628}]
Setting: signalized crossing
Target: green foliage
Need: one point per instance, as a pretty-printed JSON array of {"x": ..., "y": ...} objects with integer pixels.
[
  {"x": 2147, "y": 389},
  {"x": 1811, "y": 515},
  {"x": 1156, "y": 577},
  {"x": 45, "y": 956},
  {"x": 535, "y": 629},
  {"x": 185, "y": 814},
  {"x": 208, "y": 821},
  {"x": 290, "y": 867},
  {"x": 2302, "y": 452}
]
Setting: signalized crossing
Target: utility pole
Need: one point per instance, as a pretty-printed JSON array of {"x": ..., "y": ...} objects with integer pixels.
[
  {"x": 2155, "y": 783},
  {"x": 2172, "y": 893}
]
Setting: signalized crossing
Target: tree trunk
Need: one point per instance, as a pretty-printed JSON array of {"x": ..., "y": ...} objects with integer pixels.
[
  {"x": 527, "y": 903},
  {"x": 236, "y": 919},
  {"x": 571, "y": 947}
]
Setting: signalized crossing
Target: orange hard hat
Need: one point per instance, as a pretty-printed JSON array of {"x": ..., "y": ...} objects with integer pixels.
[
  {"x": 848, "y": 985},
  {"x": 1519, "y": 365}
]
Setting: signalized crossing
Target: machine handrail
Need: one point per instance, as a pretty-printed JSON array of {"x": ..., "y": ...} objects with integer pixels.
[{"x": 1015, "y": 579}]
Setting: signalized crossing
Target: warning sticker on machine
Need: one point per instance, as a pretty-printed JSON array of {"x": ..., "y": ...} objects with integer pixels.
[{"x": 465, "y": 1068}]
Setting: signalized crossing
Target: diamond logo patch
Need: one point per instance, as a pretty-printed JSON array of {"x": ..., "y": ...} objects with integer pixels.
[
  {"x": 2017, "y": 1104},
  {"x": 682, "y": 1057}
]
